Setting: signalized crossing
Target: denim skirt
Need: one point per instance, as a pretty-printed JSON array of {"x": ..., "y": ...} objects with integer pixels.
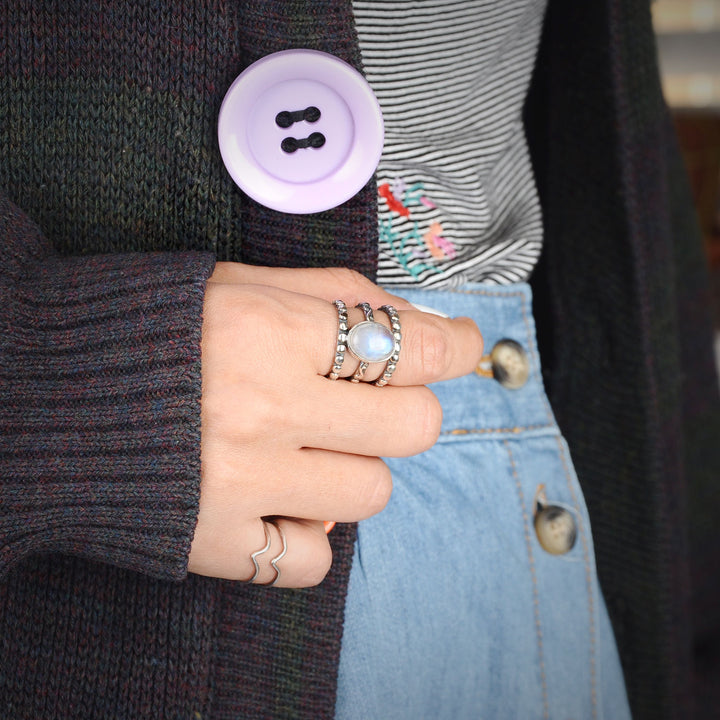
[{"x": 455, "y": 609}]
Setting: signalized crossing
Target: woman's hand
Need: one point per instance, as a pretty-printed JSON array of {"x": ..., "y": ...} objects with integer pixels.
[{"x": 281, "y": 440}]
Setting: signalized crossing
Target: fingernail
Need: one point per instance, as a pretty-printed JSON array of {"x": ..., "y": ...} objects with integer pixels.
[
  {"x": 431, "y": 311},
  {"x": 329, "y": 525}
]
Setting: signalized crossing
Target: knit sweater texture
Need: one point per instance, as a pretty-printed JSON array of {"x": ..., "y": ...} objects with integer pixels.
[
  {"x": 107, "y": 130},
  {"x": 107, "y": 124}
]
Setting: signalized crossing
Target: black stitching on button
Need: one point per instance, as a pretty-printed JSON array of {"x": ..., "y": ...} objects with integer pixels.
[
  {"x": 286, "y": 118},
  {"x": 311, "y": 114},
  {"x": 291, "y": 144}
]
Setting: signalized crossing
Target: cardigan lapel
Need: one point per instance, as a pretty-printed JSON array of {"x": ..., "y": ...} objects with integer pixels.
[{"x": 278, "y": 651}]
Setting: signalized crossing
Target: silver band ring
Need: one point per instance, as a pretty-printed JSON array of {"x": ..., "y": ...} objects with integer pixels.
[
  {"x": 257, "y": 553},
  {"x": 369, "y": 318},
  {"x": 392, "y": 362},
  {"x": 279, "y": 557},
  {"x": 341, "y": 344},
  {"x": 370, "y": 342}
]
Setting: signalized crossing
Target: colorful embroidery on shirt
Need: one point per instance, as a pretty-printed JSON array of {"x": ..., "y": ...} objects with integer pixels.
[
  {"x": 393, "y": 203},
  {"x": 415, "y": 251},
  {"x": 439, "y": 246}
]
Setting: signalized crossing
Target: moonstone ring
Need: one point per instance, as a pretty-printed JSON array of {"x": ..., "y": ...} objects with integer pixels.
[{"x": 371, "y": 342}]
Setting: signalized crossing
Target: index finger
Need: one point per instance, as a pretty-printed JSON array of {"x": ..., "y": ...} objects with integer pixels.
[{"x": 432, "y": 348}]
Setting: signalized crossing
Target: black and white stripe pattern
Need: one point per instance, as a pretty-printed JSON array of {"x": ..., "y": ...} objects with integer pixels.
[{"x": 457, "y": 197}]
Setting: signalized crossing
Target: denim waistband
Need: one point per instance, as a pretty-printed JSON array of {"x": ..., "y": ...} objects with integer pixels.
[{"x": 476, "y": 405}]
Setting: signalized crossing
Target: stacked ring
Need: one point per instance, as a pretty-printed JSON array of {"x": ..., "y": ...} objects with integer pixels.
[
  {"x": 355, "y": 337},
  {"x": 341, "y": 344},
  {"x": 392, "y": 362},
  {"x": 274, "y": 562},
  {"x": 369, "y": 342},
  {"x": 372, "y": 342},
  {"x": 279, "y": 557},
  {"x": 259, "y": 552}
]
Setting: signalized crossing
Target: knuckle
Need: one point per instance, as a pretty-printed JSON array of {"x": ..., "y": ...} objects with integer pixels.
[
  {"x": 379, "y": 489},
  {"x": 217, "y": 419},
  {"x": 348, "y": 279},
  {"x": 213, "y": 409},
  {"x": 478, "y": 342},
  {"x": 429, "y": 416},
  {"x": 319, "y": 567},
  {"x": 434, "y": 351},
  {"x": 259, "y": 412}
]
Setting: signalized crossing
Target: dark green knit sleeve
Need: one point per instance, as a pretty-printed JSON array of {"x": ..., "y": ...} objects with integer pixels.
[{"x": 99, "y": 402}]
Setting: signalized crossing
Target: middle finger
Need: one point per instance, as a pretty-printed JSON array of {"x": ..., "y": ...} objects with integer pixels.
[{"x": 366, "y": 420}]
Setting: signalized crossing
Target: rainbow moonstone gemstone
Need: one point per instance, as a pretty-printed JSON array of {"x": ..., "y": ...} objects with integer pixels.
[{"x": 371, "y": 342}]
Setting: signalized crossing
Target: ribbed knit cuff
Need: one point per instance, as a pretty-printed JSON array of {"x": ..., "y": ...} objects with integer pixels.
[{"x": 99, "y": 404}]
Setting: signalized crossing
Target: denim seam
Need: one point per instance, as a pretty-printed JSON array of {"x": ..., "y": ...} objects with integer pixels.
[
  {"x": 529, "y": 335},
  {"x": 516, "y": 430},
  {"x": 536, "y": 595},
  {"x": 588, "y": 578}
]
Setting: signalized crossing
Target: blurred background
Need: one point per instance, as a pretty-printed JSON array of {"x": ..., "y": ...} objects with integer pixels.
[{"x": 688, "y": 36}]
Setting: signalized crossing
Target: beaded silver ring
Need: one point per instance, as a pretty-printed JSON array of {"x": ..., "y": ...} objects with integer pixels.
[
  {"x": 392, "y": 362},
  {"x": 371, "y": 342},
  {"x": 341, "y": 344},
  {"x": 352, "y": 342}
]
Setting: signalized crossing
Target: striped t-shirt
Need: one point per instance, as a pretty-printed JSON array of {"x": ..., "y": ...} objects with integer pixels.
[{"x": 456, "y": 195}]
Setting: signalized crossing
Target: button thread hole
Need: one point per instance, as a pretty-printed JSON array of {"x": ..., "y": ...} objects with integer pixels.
[
  {"x": 287, "y": 118},
  {"x": 291, "y": 144}
]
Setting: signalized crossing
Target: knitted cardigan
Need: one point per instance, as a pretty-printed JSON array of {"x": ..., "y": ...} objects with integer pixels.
[{"x": 107, "y": 130}]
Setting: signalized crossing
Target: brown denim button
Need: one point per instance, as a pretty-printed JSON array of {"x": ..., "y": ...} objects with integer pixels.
[
  {"x": 510, "y": 365},
  {"x": 556, "y": 529}
]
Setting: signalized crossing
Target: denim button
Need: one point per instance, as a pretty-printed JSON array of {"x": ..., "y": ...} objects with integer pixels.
[
  {"x": 510, "y": 364},
  {"x": 556, "y": 529},
  {"x": 300, "y": 131}
]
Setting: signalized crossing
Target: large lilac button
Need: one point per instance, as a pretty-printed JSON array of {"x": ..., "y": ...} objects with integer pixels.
[{"x": 300, "y": 131}]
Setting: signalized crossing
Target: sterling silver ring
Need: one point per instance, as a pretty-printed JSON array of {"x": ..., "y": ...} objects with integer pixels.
[
  {"x": 370, "y": 342},
  {"x": 392, "y": 362},
  {"x": 259, "y": 552},
  {"x": 279, "y": 557},
  {"x": 341, "y": 344}
]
